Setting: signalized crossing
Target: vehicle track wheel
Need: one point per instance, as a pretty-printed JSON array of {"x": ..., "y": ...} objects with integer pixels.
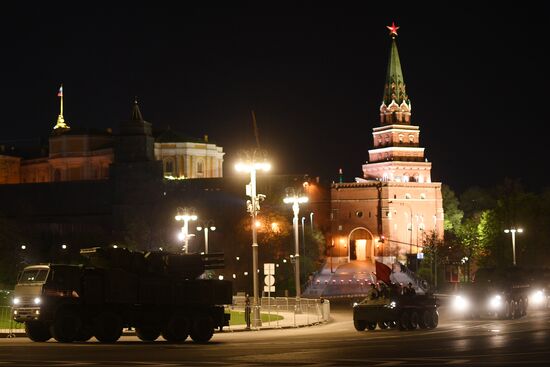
[
  {"x": 383, "y": 325},
  {"x": 404, "y": 320},
  {"x": 37, "y": 331},
  {"x": 147, "y": 333},
  {"x": 203, "y": 329},
  {"x": 434, "y": 319},
  {"x": 413, "y": 322},
  {"x": 65, "y": 326},
  {"x": 360, "y": 325},
  {"x": 424, "y": 319},
  {"x": 177, "y": 329},
  {"x": 107, "y": 327},
  {"x": 393, "y": 324},
  {"x": 506, "y": 312},
  {"x": 371, "y": 325}
]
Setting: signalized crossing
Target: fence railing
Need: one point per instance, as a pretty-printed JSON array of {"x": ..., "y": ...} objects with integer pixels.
[
  {"x": 306, "y": 311},
  {"x": 7, "y": 325}
]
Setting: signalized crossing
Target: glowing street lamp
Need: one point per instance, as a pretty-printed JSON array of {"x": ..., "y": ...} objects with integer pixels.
[
  {"x": 296, "y": 199},
  {"x": 513, "y": 232},
  {"x": 206, "y": 226},
  {"x": 250, "y": 163},
  {"x": 185, "y": 215}
]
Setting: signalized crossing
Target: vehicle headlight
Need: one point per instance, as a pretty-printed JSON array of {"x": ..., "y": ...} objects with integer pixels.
[
  {"x": 537, "y": 297},
  {"x": 16, "y": 300},
  {"x": 355, "y": 304},
  {"x": 37, "y": 301},
  {"x": 495, "y": 302},
  {"x": 461, "y": 303},
  {"x": 392, "y": 304}
]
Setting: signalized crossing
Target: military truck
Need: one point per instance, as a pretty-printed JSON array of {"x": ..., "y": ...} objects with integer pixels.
[
  {"x": 496, "y": 292},
  {"x": 396, "y": 310},
  {"x": 156, "y": 293}
]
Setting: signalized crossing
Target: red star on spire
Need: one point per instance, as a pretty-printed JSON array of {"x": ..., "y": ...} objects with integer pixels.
[{"x": 393, "y": 29}]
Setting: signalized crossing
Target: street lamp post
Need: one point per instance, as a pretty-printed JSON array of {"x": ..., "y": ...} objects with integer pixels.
[
  {"x": 295, "y": 199},
  {"x": 311, "y": 221},
  {"x": 206, "y": 226},
  {"x": 185, "y": 215},
  {"x": 303, "y": 237},
  {"x": 513, "y": 232},
  {"x": 251, "y": 164}
]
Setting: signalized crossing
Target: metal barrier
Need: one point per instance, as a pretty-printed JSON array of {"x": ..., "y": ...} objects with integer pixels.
[
  {"x": 7, "y": 325},
  {"x": 304, "y": 312}
]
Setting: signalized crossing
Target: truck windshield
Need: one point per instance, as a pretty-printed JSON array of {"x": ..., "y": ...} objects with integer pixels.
[{"x": 33, "y": 275}]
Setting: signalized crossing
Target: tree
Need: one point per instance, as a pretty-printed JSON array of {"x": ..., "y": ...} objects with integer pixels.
[{"x": 453, "y": 214}]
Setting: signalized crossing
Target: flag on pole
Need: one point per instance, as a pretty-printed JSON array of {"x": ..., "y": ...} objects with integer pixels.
[
  {"x": 60, "y": 93},
  {"x": 383, "y": 272}
]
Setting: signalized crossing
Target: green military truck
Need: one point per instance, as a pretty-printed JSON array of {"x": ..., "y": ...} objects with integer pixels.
[
  {"x": 403, "y": 311},
  {"x": 156, "y": 293}
]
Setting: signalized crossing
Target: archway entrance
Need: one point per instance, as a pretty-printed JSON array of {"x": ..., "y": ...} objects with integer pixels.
[{"x": 361, "y": 245}]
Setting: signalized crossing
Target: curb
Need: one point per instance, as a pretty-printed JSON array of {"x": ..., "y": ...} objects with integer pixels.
[{"x": 21, "y": 332}]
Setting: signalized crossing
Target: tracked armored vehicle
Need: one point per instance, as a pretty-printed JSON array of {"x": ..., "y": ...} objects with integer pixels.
[{"x": 403, "y": 311}]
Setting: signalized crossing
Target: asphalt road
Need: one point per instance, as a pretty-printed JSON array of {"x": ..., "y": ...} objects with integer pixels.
[{"x": 455, "y": 342}]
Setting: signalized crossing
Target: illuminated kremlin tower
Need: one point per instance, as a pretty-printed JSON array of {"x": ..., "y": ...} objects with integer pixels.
[{"x": 388, "y": 214}]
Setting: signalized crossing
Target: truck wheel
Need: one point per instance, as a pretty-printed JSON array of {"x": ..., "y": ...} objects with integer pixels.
[
  {"x": 147, "y": 333},
  {"x": 424, "y": 319},
  {"x": 413, "y": 322},
  {"x": 360, "y": 325},
  {"x": 383, "y": 325},
  {"x": 202, "y": 330},
  {"x": 85, "y": 333},
  {"x": 393, "y": 324},
  {"x": 65, "y": 326},
  {"x": 371, "y": 325},
  {"x": 37, "y": 331},
  {"x": 523, "y": 307},
  {"x": 107, "y": 327},
  {"x": 176, "y": 330},
  {"x": 404, "y": 320},
  {"x": 434, "y": 319},
  {"x": 507, "y": 312}
]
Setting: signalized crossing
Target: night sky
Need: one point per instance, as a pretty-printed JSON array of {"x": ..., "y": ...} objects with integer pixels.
[{"x": 477, "y": 78}]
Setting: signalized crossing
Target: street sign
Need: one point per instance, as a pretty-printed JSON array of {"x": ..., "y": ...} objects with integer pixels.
[
  {"x": 269, "y": 289},
  {"x": 269, "y": 269},
  {"x": 269, "y": 280},
  {"x": 420, "y": 255}
]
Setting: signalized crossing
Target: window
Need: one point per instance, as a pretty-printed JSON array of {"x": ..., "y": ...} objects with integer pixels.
[
  {"x": 57, "y": 175},
  {"x": 411, "y": 138},
  {"x": 422, "y": 196},
  {"x": 168, "y": 167},
  {"x": 401, "y": 137},
  {"x": 408, "y": 196},
  {"x": 200, "y": 167}
]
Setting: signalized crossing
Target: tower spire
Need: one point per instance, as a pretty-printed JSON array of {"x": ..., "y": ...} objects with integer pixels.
[
  {"x": 60, "y": 125},
  {"x": 396, "y": 106}
]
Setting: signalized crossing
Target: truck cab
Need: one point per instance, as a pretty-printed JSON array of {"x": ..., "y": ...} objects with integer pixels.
[{"x": 28, "y": 296}]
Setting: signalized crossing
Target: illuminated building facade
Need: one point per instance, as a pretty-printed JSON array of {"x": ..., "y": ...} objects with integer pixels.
[
  {"x": 75, "y": 154},
  {"x": 387, "y": 214}
]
